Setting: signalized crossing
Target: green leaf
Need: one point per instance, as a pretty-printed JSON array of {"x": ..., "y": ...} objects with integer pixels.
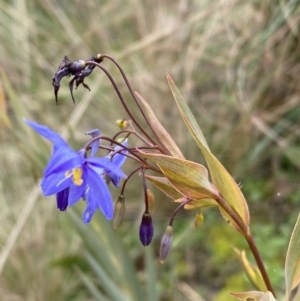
[
  {"x": 160, "y": 130},
  {"x": 110, "y": 287},
  {"x": 189, "y": 178},
  {"x": 152, "y": 293},
  {"x": 292, "y": 262},
  {"x": 220, "y": 176},
  {"x": 199, "y": 203},
  {"x": 103, "y": 245},
  {"x": 165, "y": 186},
  {"x": 187, "y": 115}
]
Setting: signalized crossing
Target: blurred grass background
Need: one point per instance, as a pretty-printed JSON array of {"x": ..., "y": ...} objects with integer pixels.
[{"x": 236, "y": 64}]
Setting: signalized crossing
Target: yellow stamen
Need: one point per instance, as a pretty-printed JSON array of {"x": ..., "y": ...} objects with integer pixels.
[{"x": 77, "y": 174}]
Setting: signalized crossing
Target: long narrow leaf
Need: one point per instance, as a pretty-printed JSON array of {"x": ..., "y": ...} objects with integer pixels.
[
  {"x": 160, "y": 130},
  {"x": 165, "y": 186},
  {"x": 152, "y": 294},
  {"x": 93, "y": 289},
  {"x": 108, "y": 285},
  {"x": 104, "y": 244},
  {"x": 292, "y": 263},
  {"x": 220, "y": 176}
]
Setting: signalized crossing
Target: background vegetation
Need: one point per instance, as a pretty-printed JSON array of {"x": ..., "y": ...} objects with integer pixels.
[{"x": 237, "y": 65}]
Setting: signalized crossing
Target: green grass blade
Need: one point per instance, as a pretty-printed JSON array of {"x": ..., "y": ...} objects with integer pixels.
[
  {"x": 292, "y": 263},
  {"x": 151, "y": 277},
  {"x": 88, "y": 282},
  {"x": 109, "y": 286}
]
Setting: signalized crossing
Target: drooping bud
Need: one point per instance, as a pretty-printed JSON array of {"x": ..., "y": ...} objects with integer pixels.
[
  {"x": 119, "y": 211},
  {"x": 77, "y": 66},
  {"x": 122, "y": 124},
  {"x": 151, "y": 203},
  {"x": 146, "y": 230},
  {"x": 199, "y": 218},
  {"x": 166, "y": 244},
  {"x": 62, "y": 199}
]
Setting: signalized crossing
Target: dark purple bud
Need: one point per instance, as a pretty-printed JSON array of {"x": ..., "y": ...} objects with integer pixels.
[
  {"x": 146, "y": 230},
  {"x": 62, "y": 199},
  {"x": 166, "y": 244}
]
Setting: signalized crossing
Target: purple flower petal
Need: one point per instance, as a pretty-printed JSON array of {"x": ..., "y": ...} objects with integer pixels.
[
  {"x": 107, "y": 165},
  {"x": 55, "y": 183},
  {"x": 76, "y": 193},
  {"x": 90, "y": 209},
  {"x": 119, "y": 158},
  {"x": 99, "y": 193},
  {"x": 63, "y": 159},
  {"x": 47, "y": 133}
]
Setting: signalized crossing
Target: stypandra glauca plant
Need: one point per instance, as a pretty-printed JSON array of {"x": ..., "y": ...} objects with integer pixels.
[{"x": 84, "y": 175}]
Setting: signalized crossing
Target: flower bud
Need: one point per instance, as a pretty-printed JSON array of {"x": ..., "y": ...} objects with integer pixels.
[
  {"x": 151, "y": 203},
  {"x": 77, "y": 66},
  {"x": 122, "y": 124},
  {"x": 166, "y": 244},
  {"x": 119, "y": 211},
  {"x": 198, "y": 221},
  {"x": 146, "y": 230},
  {"x": 62, "y": 199}
]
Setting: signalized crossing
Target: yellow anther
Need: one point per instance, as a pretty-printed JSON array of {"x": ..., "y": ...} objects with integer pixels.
[{"x": 77, "y": 174}]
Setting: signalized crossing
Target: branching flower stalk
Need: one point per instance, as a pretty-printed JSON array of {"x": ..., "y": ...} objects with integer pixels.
[
  {"x": 119, "y": 151},
  {"x": 243, "y": 229}
]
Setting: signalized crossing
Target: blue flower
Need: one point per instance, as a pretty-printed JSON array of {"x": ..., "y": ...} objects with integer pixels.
[{"x": 72, "y": 176}]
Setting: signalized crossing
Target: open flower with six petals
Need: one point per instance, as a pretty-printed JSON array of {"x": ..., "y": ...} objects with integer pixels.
[{"x": 72, "y": 175}]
